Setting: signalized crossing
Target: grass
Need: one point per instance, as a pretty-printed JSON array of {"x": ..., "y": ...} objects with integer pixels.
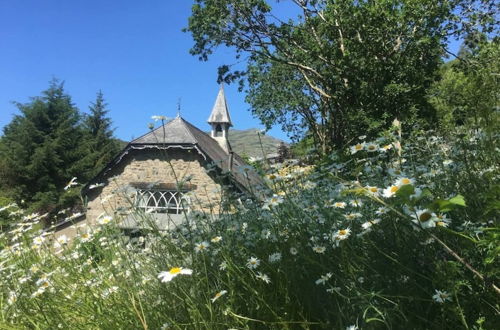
[{"x": 333, "y": 248}]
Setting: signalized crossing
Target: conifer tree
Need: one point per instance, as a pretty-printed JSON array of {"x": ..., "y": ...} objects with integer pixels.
[
  {"x": 100, "y": 144},
  {"x": 41, "y": 150}
]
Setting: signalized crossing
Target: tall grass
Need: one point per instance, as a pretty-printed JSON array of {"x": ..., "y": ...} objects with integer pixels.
[{"x": 334, "y": 247}]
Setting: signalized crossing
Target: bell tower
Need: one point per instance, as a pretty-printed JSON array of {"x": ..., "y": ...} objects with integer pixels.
[{"x": 220, "y": 121}]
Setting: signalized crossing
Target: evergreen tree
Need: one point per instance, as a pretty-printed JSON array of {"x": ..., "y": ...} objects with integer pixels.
[
  {"x": 100, "y": 145},
  {"x": 40, "y": 150}
]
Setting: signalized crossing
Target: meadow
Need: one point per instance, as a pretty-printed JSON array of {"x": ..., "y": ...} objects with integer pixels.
[{"x": 395, "y": 233}]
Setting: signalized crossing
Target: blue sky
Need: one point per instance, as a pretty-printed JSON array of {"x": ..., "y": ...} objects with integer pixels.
[{"x": 133, "y": 50}]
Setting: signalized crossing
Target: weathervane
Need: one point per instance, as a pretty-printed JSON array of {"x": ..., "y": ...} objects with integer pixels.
[{"x": 179, "y": 107}]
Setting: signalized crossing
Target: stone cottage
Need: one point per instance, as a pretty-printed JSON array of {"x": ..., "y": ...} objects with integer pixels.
[{"x": 172, "y": 170}]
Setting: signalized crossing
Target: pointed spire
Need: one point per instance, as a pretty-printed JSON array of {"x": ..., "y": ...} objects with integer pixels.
[{"x": 220, "y": 111}]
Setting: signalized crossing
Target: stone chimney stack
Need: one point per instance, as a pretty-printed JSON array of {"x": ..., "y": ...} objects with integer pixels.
[{"x": 220, "y": 121}]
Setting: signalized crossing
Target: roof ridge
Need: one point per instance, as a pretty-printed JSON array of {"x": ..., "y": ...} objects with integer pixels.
[{"x": 189, "y": 132}]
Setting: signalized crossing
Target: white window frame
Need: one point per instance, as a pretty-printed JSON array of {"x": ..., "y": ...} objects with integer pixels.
[{"x": 162, "y": 201}]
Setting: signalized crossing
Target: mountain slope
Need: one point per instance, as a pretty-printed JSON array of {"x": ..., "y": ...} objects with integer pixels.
[{"x": 246, "y": 142}]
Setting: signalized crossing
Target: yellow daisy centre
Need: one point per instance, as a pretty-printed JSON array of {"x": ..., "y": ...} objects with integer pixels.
[
  {"x": 371, "y": 147},
  {"x": 373, "y": 189},
  {"x": 175, "y": 270},
  {"x": 394, "y": 189},
  {"x": 358, "y": 146},
  {"x": 405, "y": 181},
  {"x": 343, "y": 232},
  {"x": 424, "y": 217}
]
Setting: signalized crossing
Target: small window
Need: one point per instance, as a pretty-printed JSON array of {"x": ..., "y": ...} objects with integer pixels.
[
  {"x": 162, "y": 201},
  {"x": 218, "y": 130}
]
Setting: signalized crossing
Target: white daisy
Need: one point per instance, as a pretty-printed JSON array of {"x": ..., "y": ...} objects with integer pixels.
[
  {"x": 202, "y": 246},
  {"x": 357, "y": 147},
  {"x": 263, "y": 277},
  {"x": 322, "y": 280},
  {"x": 253, "y": 262},
  {"x": 441, "y": 296},
  {"x": 173, "y": 272},
  {"x": 218, "y": 295}
]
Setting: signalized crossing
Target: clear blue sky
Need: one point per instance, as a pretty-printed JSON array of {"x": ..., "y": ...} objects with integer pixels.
[{"x": 133, "y": 50}]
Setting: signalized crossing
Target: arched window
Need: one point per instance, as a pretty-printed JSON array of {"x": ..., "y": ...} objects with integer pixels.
[{"x": 161, "y": 201}]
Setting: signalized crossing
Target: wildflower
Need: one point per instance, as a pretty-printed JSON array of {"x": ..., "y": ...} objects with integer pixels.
[
  {"x": 367, "y": 225},
  {"x": 441, "y": 296},
  {"x": 424, "y": 218},
  {"x": 356, "y": 202},
  {"x": 253, "y": 262},
  {"x": 275, "y": 257},
  {"x": 386, "y": 147},
  {"x": 37, "y": 241},
  {"x": 60, "y": 241},
  {"x": 96, "y": 185},
  {"x": 442, "y": 221},
  {"x": 357, "y": 147},
  {"x": 371, "y": 147},
  {"x": 263, "y": 277},
  {"x": 201, "y": 247},
  {"x": 223, "y": 265},
  {"x": 319, "y": 249},
  {"x": 390, "y": 191},
  {"x": 339, "y": 205},
  {"x": 293, "y": 251},
  {"x": 275, "y": 200},
  {"x": 216, "y": 239},
  {"x": 404, "y": 181},
  {"x": 352, "y": 216},
  {"x": 447, "y": 162},
  {"x": 71, "y": 183},
  {"x": 85, "y": 237},
  {"x": 273, "y": 177},
  {"x": 382, "y": 210},
  {"x": 218, "y": 295},
  {"x": 352, "y": 327},
  {"x": 104, "y": 220},
  {"x": 156, "y": 118},
  {"x": 322, "y": 280},
  {"x": 12, "y": 297},
  {"x": 372, "y": 190},
  {"x": 341, "y": 234},
  {"x": 173, "y": 272},
  {"x": 165, "y": 326}
]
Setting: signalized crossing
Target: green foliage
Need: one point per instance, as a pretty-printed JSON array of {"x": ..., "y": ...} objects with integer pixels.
[
  {"x": 467, "y": 93},
  {"x": 98, "y": 139},
  {"x": 47, "y": 145},
  {"x": 336, "y": 69},
  {"x": 41, "y": 149}
]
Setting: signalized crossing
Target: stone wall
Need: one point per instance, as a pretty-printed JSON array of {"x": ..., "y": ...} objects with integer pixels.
[{"x": 152, "y": 166}]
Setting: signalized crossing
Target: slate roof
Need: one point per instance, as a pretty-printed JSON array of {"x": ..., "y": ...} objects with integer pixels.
[
  {"x": 178, "y": 133},
  {"x": 220, "y": 111}
]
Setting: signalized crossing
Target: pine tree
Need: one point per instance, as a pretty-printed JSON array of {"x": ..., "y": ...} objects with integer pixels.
[
  {"x": 100, "y": 144},
  {"x": 41, "y": 150}
]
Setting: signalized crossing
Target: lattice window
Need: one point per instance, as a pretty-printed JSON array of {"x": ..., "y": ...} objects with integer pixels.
[{"x": 162, "y": 201}]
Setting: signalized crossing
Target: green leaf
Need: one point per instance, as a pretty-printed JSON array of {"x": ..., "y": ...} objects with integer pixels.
[
  {"x": 405, "y": 191},
  {"x": 458, "y": 200}
]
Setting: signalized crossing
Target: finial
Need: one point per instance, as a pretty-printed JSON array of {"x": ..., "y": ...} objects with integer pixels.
[{"x": 178, "y": 107}]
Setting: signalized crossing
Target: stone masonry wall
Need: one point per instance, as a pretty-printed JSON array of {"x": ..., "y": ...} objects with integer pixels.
[{"x": 151, "y": 166}]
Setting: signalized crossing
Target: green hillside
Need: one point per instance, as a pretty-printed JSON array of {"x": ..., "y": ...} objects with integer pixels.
[{"x": 246, "y": 142}]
